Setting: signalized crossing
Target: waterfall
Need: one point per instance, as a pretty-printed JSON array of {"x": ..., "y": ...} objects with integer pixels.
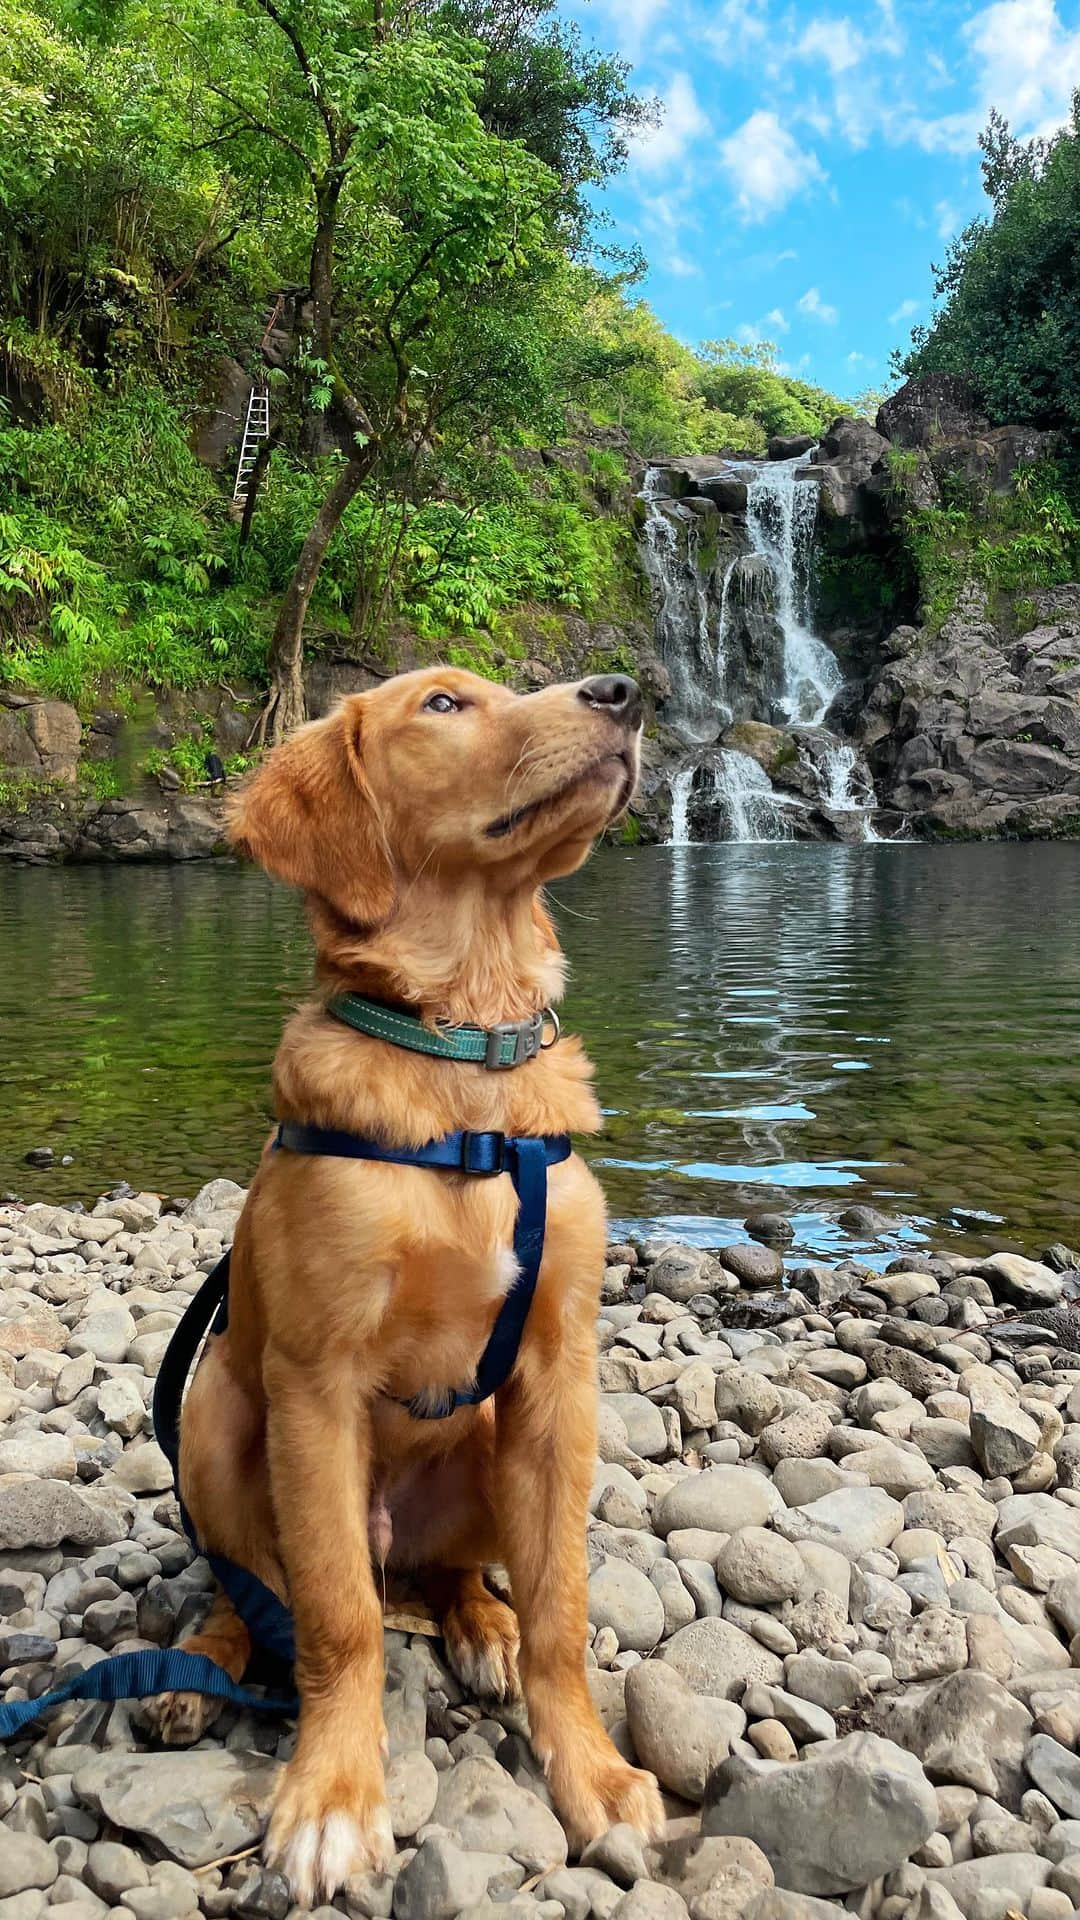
[
  {"x": 670, "y": 548},
  {"x": 744, "y": 793},
  {"x": 681, "y": 784},
  {"x": 839, "y": 766},
  {"x": 781, "y": 512}
]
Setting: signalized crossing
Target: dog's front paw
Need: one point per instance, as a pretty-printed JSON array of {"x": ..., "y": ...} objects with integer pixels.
[
  {"x": 609, "y": 1791},
  {"x": 316, "y": 1840}
]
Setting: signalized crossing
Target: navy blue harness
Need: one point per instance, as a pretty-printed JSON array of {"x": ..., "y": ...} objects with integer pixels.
[{"x": 131, "y": 1676}]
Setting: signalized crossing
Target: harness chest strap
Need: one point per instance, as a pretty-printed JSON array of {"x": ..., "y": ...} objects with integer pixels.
[{"x": 482, "y": 1155}]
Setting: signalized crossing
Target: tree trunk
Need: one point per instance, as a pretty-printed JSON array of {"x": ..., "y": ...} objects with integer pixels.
[{"x": 285, "y": 708}]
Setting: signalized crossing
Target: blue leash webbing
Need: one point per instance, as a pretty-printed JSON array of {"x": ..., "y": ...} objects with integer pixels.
[{"x": 136, "y": 1676}]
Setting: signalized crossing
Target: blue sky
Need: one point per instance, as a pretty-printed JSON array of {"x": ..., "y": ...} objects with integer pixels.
[{"x": 813, "y": 162}]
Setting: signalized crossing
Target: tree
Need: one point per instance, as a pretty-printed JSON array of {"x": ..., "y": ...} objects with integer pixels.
[
  {"x": 414, "y": 215},
  {"x": 746, "y": 380},
  {"x": 1010, "y": 286}
]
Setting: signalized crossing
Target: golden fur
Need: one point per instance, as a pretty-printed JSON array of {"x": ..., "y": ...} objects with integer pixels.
[{"x": 354, "y": 1281}]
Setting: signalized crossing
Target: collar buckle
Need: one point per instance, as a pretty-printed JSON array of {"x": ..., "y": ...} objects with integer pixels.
[{"x": 526, "y": 1037}]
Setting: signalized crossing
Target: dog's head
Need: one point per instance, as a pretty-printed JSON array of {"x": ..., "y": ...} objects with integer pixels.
[{"x": 440, "y": 771}]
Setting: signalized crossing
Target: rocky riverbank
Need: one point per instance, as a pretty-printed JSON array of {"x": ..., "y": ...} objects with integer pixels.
[{"x": 834, "y": 1593}]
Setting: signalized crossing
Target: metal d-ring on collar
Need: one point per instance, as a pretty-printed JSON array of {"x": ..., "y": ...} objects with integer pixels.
[{"x": 509, "y": 1043}]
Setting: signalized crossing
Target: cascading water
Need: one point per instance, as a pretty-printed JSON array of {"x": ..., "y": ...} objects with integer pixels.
[
  {"x": 744, "y": 794},
  {"x": 670, "y": 543},
  {"x": 844, "y": 786},
  {"x": 733, "y": 627},
  {"x": 781, "y": 513},
  {"x": 681, "y": 785}
]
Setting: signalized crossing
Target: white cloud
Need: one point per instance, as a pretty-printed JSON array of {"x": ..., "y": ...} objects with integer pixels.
[
  {"x": 813, "y": 303},
  {"x": 738, "y": 27},
  {"x": 767, "y": 166},
  {"x": 835, "y": 42},
  {"x": 1028, "y": 62},
  {"x": 904, "y": 312},
  {"x": 777, "y": 322},
  {"x": 657, "y": 148},
  {"x": 666, "y": 217},
  {"x": 948, "y": 220},
  {"x": 631, "y": 22},
  {"x": 1024, "y": 62}
]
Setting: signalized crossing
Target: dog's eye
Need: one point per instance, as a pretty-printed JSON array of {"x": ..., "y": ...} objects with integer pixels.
[{"x": 442, "y": 703}]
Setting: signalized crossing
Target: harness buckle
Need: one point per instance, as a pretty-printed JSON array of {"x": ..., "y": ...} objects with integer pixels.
[
  {"x": 527, "y": 1037},
  {"x": 473, "y": 1156}
]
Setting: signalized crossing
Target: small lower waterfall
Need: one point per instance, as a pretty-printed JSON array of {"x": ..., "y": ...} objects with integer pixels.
[
  {"x": 744, "y": 793},
  {"x": 844, "y": 785},
  {"x": 681, "y": 784}
]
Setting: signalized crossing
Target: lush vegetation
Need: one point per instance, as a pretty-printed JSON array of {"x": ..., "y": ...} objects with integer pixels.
[
  {"x": 409, "y": 192},
  {"x": 1010, "y": 286},
  {"x": 1007, "y": 542}
]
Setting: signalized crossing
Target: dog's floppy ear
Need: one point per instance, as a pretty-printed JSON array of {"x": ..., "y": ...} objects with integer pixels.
[{"x": 309, "y": 816}]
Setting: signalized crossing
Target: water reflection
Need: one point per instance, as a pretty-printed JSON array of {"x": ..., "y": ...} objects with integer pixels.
[{"x": 786, "y": 1026}]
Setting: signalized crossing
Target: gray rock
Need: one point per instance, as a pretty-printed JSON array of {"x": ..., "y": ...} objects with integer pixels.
[
  {"x": 1004, "y": 1438},
  {"x": 778, "y": 1903},
  {"x": 648, "y": 1901},
  {"x": 1056, "y": 1772},
  {"x": 926, "y": 1648},
  {"x": 753, "y": 1266},
  {"x": 26, "y": 1861},
  {"x": 1023, "y": 1283},
  {"x": 760, "y": 1567},
  {"x": 989, "y": 1889},
  {"x": 718, "y": 1659},
  {"x": 844, "y": 1815},
  {"x": 111, "y": 1869},
  {"x": 441, "y": 1880},
  {"x": 749, "y": 1399},
  {"x": 854, "y": 1520},
  {"x": 717, "y": 1874},
  {"x": 801, "y": 1436},
  {"x": 619, "y": 1853},
  {"x": 679, "y": 1735},
  {"x": 1037, "y": 1520},
  {"x": 623, "y": 1598},
  {"x": 966, "y": 1729},
  {"x": 42, "y": 1513},
  {"x": 721, "y": 1499},
  {"x": 193, "y": 1806},
  {"x": 479, "y": 1801},
  {"x": 644, "y": 1424},
  {"x": 837, "y": 1685},
  {"x": 412, "y": 1788},
  {"x": 951, "y": 1512}
]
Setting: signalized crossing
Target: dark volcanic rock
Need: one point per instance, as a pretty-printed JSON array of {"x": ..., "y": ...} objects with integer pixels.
[{"x": 935, "y": 406}]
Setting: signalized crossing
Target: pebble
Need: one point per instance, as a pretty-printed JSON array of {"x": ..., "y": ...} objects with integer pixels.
[{"x": 807, "y": 1517}]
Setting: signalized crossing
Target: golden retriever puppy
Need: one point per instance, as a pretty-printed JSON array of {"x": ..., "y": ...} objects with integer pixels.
[{"x": 420, "y": 820}]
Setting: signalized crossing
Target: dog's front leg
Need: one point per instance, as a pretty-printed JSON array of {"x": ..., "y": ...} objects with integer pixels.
[
  {"x": 546, "y": 1447},
  {"x": 330, "y": 1817}
]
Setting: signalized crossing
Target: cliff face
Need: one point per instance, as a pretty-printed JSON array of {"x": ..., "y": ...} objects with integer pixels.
[{"x": 967, "y": 707}]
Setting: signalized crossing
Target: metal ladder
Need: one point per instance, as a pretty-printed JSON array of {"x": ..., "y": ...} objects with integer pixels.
[{"x": 256, "y": 428}]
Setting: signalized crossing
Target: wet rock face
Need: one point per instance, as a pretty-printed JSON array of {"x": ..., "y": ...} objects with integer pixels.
[
  {"x": 975, "y": 733},
  {"x": 834, "y": 1594}
]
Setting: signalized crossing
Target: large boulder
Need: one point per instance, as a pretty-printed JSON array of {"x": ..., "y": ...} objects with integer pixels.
[
  {"x": 932, "y": 407},
  {"x": 188, "y": 1807},
  {"x": 830, "y": 1823}
]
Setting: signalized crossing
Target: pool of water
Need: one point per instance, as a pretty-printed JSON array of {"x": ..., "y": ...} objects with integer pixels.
[{"x": 794, "y": 1027}]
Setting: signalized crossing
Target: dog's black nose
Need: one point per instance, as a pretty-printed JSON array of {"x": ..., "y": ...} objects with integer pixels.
[{"x": 617, "y": 693}]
